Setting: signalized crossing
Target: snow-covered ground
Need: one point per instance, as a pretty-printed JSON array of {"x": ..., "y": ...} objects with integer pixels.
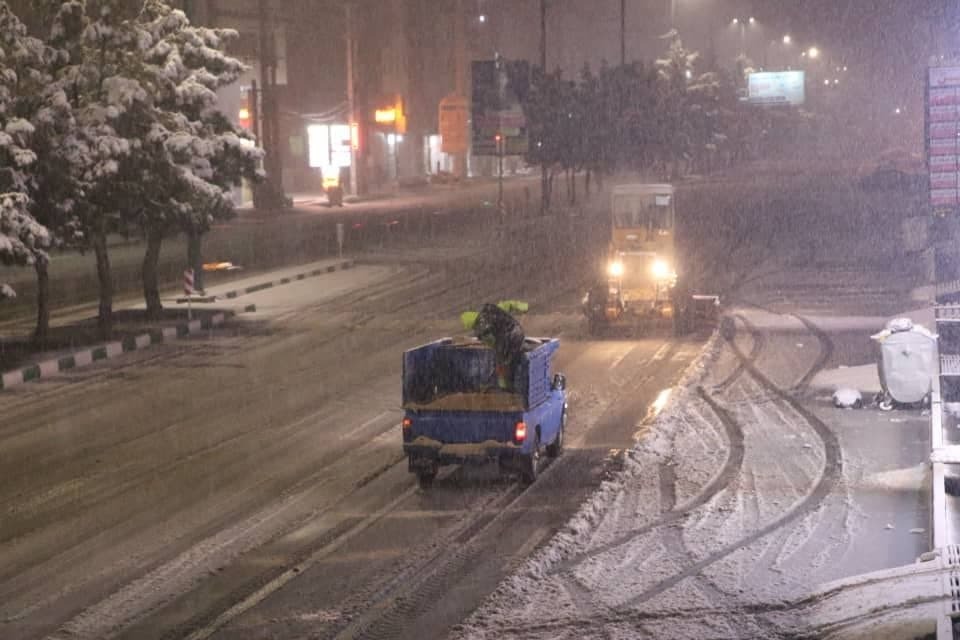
[{"x": 724, "y": 519}]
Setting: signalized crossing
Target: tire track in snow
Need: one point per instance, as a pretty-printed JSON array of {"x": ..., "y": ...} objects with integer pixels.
[
  {"x": 830, "y": 476},
  {"x": 717, "y": 597},
  {"x": 728, "y": 330},
  {"x": 730, "y": 470}
]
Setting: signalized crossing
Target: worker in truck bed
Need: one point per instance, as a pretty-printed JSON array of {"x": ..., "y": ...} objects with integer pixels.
[{"x": 494, "y": 326}]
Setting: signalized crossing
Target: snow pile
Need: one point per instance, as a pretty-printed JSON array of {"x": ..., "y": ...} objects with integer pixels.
[{"x": 847, "y": 398}]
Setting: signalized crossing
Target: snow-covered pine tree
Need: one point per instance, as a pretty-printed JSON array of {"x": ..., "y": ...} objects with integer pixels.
[
  {"x": 23, "y": 241},
  {"x": 195, "y": 154}
]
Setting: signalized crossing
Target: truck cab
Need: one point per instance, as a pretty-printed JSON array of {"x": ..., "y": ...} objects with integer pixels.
[{"x": 455, "y": 411}]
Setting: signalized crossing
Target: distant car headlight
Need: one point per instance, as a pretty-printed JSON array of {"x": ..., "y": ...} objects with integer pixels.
[
  {"x": 660, "y": 269},
  {"x": 615, "y": 269}
]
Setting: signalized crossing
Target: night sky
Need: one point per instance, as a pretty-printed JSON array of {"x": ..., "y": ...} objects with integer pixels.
[{"x": 885, "y": 44}]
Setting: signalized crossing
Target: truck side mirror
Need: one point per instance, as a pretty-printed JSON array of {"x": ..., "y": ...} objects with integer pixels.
[{"x": 559, "y": 382}]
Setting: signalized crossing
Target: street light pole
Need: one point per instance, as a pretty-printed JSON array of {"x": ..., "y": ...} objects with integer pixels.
[
  {"x": 351, "y": 103},
  {"x": 623, "y": 32},
  {"x": 544, "y": 178},
  {"x": 460, "y": 78},
  {"x": 740, "y": 22},
  {"x": 543, "y": 35}
]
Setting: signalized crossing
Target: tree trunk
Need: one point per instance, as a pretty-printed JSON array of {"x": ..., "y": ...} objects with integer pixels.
[
  {"x": 42, "y": 330},
  {"x": 550, "y": 187},
  {"x": 151, "y": 280},
  {"x": 195, "y": 259},
  {"x": 545, "y": 186},
  {"x": 105, "y": 279}
]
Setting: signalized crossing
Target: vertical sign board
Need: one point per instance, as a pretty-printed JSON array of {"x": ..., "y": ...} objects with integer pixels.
[
  {"x": 453, "y": 124},
  {"x": 942, "y": 130},
  {"x": 496, "y": 111}
]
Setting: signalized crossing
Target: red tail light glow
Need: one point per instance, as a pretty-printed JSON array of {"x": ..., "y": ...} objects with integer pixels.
[
  {"x": 520, "y": 434},
  {"x": 407, "y": 423}
]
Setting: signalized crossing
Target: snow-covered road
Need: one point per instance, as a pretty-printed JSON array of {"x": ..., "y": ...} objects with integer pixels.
[{"x": 736, "y": 503}]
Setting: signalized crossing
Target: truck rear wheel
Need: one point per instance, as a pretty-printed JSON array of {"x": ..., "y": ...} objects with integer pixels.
[
  {"x": 530, "y": 464},
  {"x": 555, "y": 448},
  {"x": 426, "y": 477}
]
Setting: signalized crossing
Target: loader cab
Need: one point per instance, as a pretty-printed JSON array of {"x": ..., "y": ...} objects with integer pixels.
[{"x": 641, "y": 259}]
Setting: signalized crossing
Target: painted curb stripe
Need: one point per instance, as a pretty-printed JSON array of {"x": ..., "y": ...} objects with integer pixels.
[
  {"x": 12, "y": 378},
  {"x": 229, "y": 295},
  {"x": 128, "y": 344},
  {"x": 259, "y": 287},
  {"x": 49, "y": 367}
]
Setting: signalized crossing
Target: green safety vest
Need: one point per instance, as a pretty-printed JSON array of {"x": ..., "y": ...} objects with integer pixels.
[{"x": 469, "y": 318}]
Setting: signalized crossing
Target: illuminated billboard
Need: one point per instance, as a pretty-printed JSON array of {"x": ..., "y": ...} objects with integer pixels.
[{"x": 776, "y": 88}]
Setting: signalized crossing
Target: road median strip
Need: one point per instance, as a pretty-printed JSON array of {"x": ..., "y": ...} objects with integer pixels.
[
  {"x": 236, "y": 293},
  {"x": 127, "y": 344}
]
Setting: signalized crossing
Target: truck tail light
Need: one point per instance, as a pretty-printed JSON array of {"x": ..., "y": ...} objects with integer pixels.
[
  {"x": 520, "y": 433},
  {"x": 407, "y": 423}
]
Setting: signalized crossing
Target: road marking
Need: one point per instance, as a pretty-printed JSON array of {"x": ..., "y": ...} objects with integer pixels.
[
  {"x": 366, "y": 424},
  {"x": 278, "y": 583},
  {"x": 661, "y": 352},
  {"x": 622, "y": 356}
]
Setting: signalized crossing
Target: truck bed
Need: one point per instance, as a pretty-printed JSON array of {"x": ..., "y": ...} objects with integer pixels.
[{"x": 493, "y": 401}]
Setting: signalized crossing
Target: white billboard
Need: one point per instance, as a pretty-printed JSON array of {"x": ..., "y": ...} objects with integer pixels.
[{"x": 776, "y": 88}]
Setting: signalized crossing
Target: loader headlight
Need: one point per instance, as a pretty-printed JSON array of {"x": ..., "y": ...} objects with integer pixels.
[
  {"x": 660, "y": 269},
  {"x": 615, "y": 269}
]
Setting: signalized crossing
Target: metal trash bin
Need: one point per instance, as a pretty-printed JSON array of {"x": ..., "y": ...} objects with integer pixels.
[{"x": 907, "y": 363}]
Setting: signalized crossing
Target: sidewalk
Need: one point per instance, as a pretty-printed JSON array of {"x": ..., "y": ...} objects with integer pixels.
[
  {"x": 75, "y": 339},
  {"x": 80, "y": 344}
]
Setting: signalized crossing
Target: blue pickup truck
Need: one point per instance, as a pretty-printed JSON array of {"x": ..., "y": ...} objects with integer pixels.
[{"x": 456, "y": 412}]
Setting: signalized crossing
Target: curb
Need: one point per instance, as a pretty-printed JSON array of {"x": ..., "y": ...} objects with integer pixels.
[
  {"x": 109, "y": 350},
  {"x": 340, "y": 266}
]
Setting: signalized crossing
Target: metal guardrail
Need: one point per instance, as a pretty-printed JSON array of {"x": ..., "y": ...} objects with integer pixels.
[{"x": 944, "y": 537}]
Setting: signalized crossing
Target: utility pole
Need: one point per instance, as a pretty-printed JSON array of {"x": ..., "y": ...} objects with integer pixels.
[
  {"x": 543, "y": 35},
  {"x": 460, "y": 78},
  {"x": 544, "y": 179},
  {"x": 623, "y": 32},
  {"x": 351, "y": 103},
  {"x": 268, "y": 110}
]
